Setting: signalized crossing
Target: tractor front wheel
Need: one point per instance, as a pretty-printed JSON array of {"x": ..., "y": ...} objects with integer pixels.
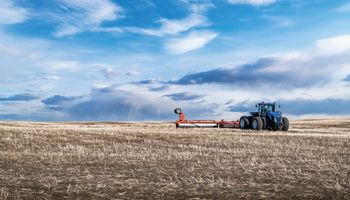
[
  {"x": 257, "y": 123},
  {"x": 285, "y": 124},
  {"x": 264, "y": 120}
]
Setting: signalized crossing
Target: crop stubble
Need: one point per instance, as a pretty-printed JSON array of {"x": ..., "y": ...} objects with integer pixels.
[{"x": 157, "y": 161}]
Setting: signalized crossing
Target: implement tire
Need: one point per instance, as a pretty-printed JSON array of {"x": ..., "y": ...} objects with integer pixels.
[{"x": 177, "y": 110}]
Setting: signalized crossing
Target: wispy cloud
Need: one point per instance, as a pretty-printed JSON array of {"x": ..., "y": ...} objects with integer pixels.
[
  {"x": 183, "y": 96},
  {"x": 12, "y": 14},
  {"x": 173, "y": 28},
  {"x": 280, "y": 21},
  {"x": 62, "y": 65},
  {"x": 111, "y": 73},
  {"x": 196, "y": 18},
  {"x": 85, "y": 15},
  {"x": 194, "y": 40},
  {"x": 19, "y": 97},
  {"x": 133, "y": 72},
  {"x": 252, "y": 2}
]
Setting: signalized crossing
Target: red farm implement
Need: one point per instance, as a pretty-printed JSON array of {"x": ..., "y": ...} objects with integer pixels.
[{"x": 182, "y": 122}]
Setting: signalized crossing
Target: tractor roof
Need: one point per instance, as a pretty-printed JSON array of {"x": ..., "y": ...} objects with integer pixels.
[{"x": 267, "y": 103}]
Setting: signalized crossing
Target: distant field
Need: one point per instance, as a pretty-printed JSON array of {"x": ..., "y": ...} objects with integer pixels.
[{"x": 157, "y": 161}]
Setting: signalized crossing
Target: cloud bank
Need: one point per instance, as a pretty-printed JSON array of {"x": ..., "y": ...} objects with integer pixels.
[
  {"x": 327, "y": 61},
  {"x": 111, "y": 103}
]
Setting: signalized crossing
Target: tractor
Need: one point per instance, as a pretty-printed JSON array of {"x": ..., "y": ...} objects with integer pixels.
[{"x": 267, "y": 117}]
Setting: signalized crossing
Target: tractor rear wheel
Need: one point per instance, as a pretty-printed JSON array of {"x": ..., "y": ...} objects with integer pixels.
[
  {"x": 244, "y": 122},
  {"x": 285, "y": 124},
  {"x": 257, "y": 123}
]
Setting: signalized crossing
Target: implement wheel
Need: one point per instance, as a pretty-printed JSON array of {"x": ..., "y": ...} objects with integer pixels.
[{"x": 177, "y": 110}]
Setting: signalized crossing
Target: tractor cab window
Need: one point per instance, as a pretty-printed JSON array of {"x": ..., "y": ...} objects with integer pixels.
[{"x": 265, "y": 108}]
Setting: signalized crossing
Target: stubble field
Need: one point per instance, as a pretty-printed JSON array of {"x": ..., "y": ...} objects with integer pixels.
[{"x": 157, "y": 161}]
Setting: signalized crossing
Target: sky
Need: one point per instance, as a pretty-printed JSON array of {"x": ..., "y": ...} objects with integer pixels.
[{"x": 137, "y": 60}]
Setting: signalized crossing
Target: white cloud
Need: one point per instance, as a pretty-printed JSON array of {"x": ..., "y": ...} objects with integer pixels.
[
  {"x": 252, "y": 2},
  {"x": 173, "y": 27},
  {"x": 280, "y": 21},
  {"x": 62, "y": 65},
  {"x": 193, "y": 41},
  {"x": 51, "y": 78},
  {"x": 133, "y": 72},
  {"x": 85, "y": 15},
  {"x": 11, "y": 14},
  {"x": 196, "y": 18},
  {"x": 334, "y": 45}
]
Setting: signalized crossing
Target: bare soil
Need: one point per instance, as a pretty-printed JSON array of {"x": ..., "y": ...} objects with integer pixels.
[{"x": 157, "y": 161}]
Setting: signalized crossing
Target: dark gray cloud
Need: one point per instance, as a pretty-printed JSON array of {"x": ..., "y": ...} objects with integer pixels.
[
  {"x": 160, "y": 88},
  {"x": 147, "y": 81},
  {"x": 270, "y": 71},
  {"x": 20, "y": 97},
  {"x": 58, "y": 100},
  {"x": 183, "y": 96},
  {"x": 302, "y": 106}
]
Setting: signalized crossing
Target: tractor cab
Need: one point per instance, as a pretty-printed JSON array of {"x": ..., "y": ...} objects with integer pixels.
[{"x": 264, "y": 108}]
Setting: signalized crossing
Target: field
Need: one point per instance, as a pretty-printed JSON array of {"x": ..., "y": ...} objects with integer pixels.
[{"x": 157, "y": 161}]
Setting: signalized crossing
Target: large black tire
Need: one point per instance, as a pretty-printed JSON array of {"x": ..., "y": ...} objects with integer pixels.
[
  {"x": 257, "y": 124},
  {"x": 244, "y": 122},
  {"x": 264, "y": 120},
  {"x": 285, "y": 124}
]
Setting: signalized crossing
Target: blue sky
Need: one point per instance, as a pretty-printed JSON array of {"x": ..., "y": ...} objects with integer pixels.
[{"x": 107, "y": 60}]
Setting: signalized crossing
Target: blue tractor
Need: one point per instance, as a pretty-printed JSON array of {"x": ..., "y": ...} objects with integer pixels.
[{"x": 267, "y": 118}]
